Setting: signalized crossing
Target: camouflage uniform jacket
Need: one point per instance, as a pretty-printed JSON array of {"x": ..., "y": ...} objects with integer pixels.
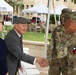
[{"x": 62, "y": 45}]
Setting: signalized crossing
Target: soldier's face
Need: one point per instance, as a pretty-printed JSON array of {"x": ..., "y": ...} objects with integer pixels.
[{"x": 70, "y": 26}]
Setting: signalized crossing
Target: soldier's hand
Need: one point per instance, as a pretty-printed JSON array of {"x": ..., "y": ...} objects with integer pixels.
[{"x": 42, "y": 62}]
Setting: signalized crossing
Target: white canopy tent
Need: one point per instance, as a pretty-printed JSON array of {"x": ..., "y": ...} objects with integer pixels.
[
  {"x": 58, "y": 9},
  {"x": 4, "y": 6},
  {"x": 39, "y": 8}
]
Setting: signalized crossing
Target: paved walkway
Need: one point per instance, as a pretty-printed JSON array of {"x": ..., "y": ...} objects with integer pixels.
[{"x": 37, "y": 49}]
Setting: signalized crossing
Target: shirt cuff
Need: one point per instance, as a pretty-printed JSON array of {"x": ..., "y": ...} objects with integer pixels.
[{"x": 34, "y": 61}]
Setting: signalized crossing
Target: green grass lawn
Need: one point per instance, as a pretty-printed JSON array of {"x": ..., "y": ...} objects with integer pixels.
[
  {"x": 32, "y": 36},
  {"x": 35, "y": 36}
]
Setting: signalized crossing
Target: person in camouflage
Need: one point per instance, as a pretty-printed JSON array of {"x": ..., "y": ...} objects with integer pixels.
[{"x": 61, "y": 52}]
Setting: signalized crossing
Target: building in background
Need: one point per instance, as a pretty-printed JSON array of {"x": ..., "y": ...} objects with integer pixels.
[
  {"x": 30, "y": 3},
  {"x": 19, "y": 5}
]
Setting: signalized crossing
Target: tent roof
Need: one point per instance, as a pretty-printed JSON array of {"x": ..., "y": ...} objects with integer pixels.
[
  {"x": 4, "y": 6},
  {"x": 39, "y": 8},
  {"x": 58, "y": 9}
]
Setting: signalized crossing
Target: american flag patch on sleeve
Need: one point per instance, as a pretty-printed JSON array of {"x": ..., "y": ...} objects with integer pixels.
[{"x": 74, "y": 50}]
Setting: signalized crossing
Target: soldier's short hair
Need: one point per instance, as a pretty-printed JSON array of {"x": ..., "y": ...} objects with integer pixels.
[
  {"x": 64, "y": 11},
  {"x": 70, "y": 15}
]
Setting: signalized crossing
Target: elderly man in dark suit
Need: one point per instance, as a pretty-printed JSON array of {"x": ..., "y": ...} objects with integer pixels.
[{"x": 15, "y": 50}]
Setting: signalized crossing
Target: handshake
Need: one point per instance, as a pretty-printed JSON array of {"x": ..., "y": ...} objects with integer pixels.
[{"x": 42, "y": 62}]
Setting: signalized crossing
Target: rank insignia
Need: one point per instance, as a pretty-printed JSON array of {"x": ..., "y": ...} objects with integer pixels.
[{"x": 74, "y": 50}]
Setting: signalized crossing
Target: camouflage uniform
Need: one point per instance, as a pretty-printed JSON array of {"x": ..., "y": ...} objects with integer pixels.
[
  {"x": 62, "y": 51},
  {"x": 64, "y": 11}
]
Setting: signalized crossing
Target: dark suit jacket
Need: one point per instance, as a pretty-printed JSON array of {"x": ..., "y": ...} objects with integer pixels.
[
  {"x": 15, "y": 52},
  {"x": 3, "y": 55}
]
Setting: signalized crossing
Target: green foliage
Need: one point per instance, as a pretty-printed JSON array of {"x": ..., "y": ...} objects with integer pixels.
[
  {"x": 75, "y": 1},
  {"x": 6, "y": 30},
  {"x": 35, "y": 36},
  {"x": 32, "y": 36},
  {"x": 52, "y": 18}
]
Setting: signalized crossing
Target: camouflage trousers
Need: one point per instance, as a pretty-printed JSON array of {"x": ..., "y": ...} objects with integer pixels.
[{"x": 58, "y": 66}]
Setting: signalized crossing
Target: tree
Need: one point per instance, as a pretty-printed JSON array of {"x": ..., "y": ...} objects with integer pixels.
[
  {"x": 16, "y": 4},
  {"x": 75, "y": 1}
]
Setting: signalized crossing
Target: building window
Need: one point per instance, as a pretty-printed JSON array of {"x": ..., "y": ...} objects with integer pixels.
[
  {"x": 27, "y": 6},
  {"x": 31, "y": 5},
  {"x": 38, "y": 14},
  {"x": 71, "y": 0},
  {"x": 65, "y": 0},
  {"x": 19, "y": 0}
]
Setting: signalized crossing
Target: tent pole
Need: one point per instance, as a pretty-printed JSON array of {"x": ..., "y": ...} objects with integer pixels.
[
  {"x": 47, "y": 27},
  {"x": 36, "y": 24},
  {"x": 59, "y": 19},
  {"x": 54, "y": 13}
]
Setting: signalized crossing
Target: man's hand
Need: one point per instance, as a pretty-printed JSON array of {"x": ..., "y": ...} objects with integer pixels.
[
  {"x": 21, "y": 69},
  {"x": 42, "y": 62}
]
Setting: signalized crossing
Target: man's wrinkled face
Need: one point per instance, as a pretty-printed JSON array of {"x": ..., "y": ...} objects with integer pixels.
[
  {"x": 21, "y": 28},
  {"x": 70, "y": 26}
]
